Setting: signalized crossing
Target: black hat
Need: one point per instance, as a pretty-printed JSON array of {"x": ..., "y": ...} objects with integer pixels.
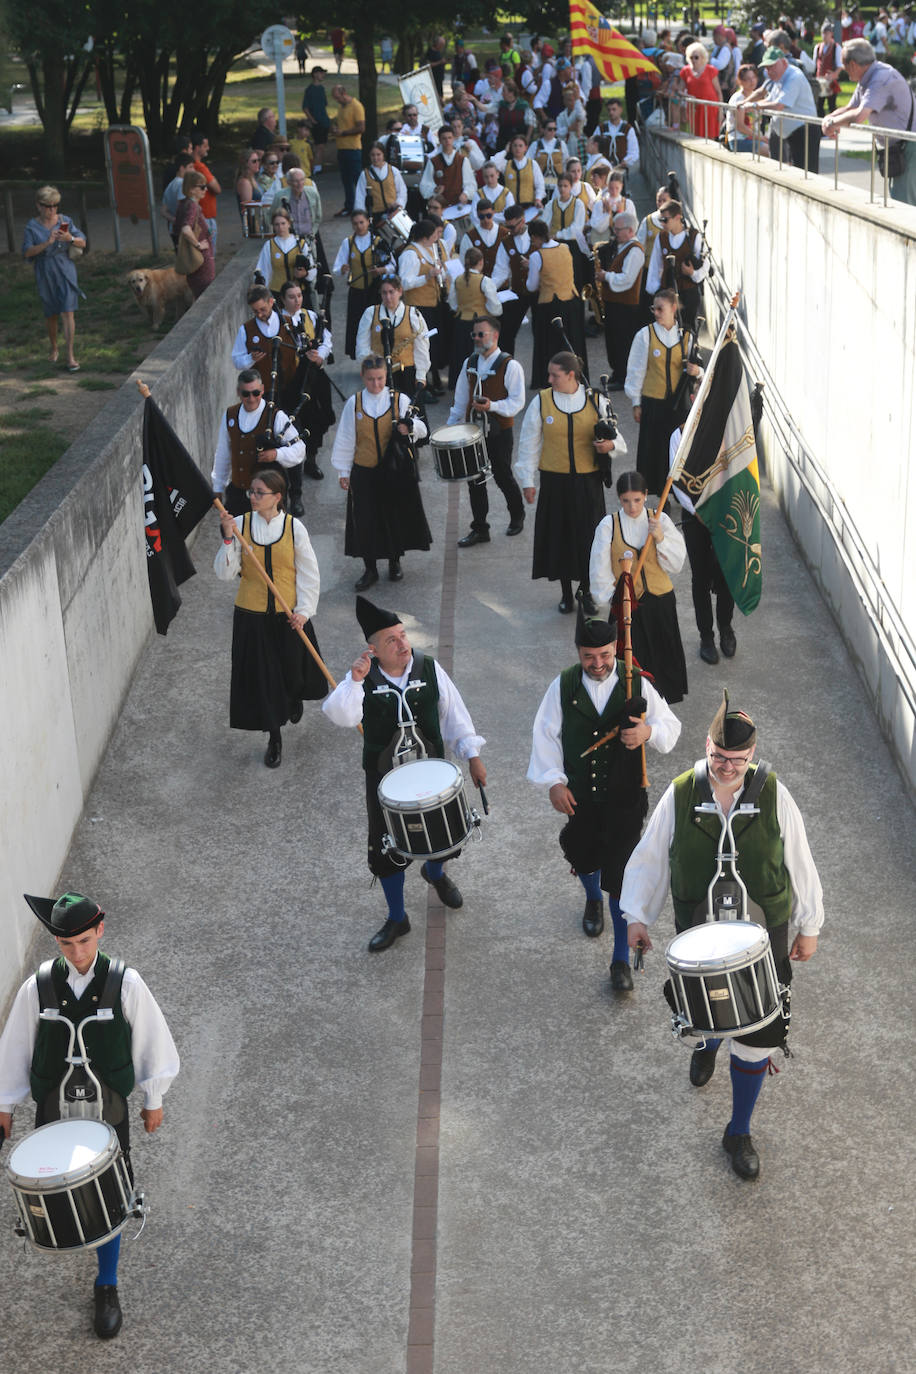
[
  {"x": 732, "y": 729},
  {"x": 592, "y": 633},
  {"x": 69, "y": 914},
  {"x": 373, "y": 618}
]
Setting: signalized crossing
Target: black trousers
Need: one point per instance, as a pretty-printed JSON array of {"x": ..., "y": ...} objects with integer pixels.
[
  {"x": 499, "y": 447},
  {"x": 706, "y": 578},
  {"x": 793, "y": 147},
  {"x": 621, "y": 324},
  {"x": 510, "y": 322}
]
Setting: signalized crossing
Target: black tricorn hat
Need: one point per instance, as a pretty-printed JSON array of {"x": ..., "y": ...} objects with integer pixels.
[
  {"x": 373, "y": 618},
  {"x": 732, "y": 729},
  {"x": 593, "y": 633},
  {"x": 69, "y": 914}
]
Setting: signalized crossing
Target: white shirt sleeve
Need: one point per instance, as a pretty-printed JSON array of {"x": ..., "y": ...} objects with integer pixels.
[
  {"x": 600, "y": 576},
  {"x": 228, "y": 561},
  {"x": 501, "y": 269},
  {"x": 359, "y": 195},
  {"x": 290, "y": 448},
  {"x": 807, "y": 915},
  {"x": 427, "y": 180},
  {"x": 631, "y": 157},
  {"x": 632, "y": 266},
  {"x": 344, "y": 448},
  {"x": 672, "y": 551},
  {"x": 699, "y": 273},
  {"x": 530, "y": 443},
  {"x": 240, "y": 355},
  {"x": 540, "y": 190},
  {"x": 654, "y": 270},
  {"x": 308, "y": 577},
  {"x": 458, "y": 733},
  {"x": 420, "y": 344},
  {"x": 647, "y": 874},
  {"x": 637, "y": 363},
  {"x": 534, "y": 270},
  {"x": 460, "y": 400},
  {"x": 344, "y": 706},
  {"x": 410, "y": 269},
  {"x": 364, "y": 335},
  {"x": 222, "y": 459},
  {"x": 494, "y": 304},
  {"x": 17, "y": 1045},
  {"x": 342, "y": 261}
]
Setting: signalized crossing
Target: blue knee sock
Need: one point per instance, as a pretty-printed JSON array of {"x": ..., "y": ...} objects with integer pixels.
[
  {"x": 592, "y": 884},
  {"x": 747, "y": 1080},
  {"x": 108, "y": 1262},
  {"x": 621, "y": 952},
  {"x": 434, "y": 869},
  {"x": 393, "y": 889}
]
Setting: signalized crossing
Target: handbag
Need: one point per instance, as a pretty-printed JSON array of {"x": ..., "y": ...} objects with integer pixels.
[
  {"x": 188, "y": 257},
  {"x": 895, "y": 153}
]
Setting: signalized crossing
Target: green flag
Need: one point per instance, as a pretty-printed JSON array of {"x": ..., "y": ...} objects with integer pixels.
[{"x": 717, "y": 468}]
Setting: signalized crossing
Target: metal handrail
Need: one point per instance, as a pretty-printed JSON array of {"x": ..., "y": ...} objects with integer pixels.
[{"x": 875, "y": 133}]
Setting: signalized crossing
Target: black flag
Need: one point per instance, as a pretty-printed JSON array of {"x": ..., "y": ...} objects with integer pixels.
[{"x": 176, "y": 497}]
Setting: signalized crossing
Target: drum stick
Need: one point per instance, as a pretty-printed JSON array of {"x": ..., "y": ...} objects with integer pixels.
[
  {"x": 483, "y": 799},
  {"x": 263, "y": 574}
]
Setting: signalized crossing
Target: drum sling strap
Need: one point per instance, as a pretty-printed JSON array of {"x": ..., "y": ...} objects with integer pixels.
[
  {"x": 408, "y": 743},
  {"x": 79, "y": 1088},
  {"x": 725, "y": 885}
]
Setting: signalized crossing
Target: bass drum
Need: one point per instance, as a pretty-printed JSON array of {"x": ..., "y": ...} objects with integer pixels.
[
  {"x": 459, "y": 452},
  {"x": 71, "y": 1186},
  {"x": 723, "y": 979},
  {"x": 425, "y": 809}
]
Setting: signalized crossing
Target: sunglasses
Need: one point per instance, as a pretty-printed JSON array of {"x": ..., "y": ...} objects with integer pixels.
[
  {"x": 256, "y": 392},
  {"x": 485, "y": 214},
  {"x": 272, "y": 162}
]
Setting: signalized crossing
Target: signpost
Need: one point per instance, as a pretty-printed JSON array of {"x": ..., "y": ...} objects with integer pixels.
[
  {"x": 278, "y": 43},
  {"x": 130, "y": 179}
]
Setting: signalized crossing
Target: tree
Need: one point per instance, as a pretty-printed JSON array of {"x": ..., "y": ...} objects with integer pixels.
[{"x": 52, "y": 40}]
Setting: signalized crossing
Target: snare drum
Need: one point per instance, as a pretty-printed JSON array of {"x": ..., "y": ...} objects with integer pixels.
[
  {"x": 459, "y": 452},
  {"x": 71, "y": 1184},
  {"x": 724, "y": 979},
  {"x": 256, "y": 219},
  {"x": 413, "y": 154},
  {"x": 425, "y": 809}
]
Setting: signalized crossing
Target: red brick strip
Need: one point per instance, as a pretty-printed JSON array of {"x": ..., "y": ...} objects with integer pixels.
[{"x": 422, "y": 1319}]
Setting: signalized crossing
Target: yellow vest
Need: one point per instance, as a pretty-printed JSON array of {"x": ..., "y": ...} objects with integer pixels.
[
  {"x": 663, "y": 372},
  {"x": 556, "y": 275},
  {"x": 653, "y": 578},
  {"x": 360, "y": 262},
  {"x": 584, "y": 197},
  {"x": 542, "y": 157},
  {"x": 372, "y": 434},
  {"x": 279, "y": 561},
  {"x": 426, "y": 295},
  {"x": 402, "y": 352},
  {"x": 281, "y": 263},
  {"x": 470, "y": 297},
  {"x": 380, "y": 194},
  {"x": 567, "y": 437},
  {"x": 500, "y": 201},
  {"x": 560, "y": 218},
  {"x": 520, "y": 182}
]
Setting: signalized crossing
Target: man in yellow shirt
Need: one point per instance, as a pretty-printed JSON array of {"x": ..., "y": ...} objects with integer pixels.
[{"x": 349, "y": 127}]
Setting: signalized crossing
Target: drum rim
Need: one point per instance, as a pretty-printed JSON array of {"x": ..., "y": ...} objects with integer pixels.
[
  {"x": 73, "y": 1178},
  {"x": 474, "y": 436},
  {"x": 727, "y": 963},
  {"x": 432, "y": 799}
]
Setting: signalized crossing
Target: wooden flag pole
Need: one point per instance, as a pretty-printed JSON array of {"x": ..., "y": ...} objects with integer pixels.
[{"x": 628, "y": 656}]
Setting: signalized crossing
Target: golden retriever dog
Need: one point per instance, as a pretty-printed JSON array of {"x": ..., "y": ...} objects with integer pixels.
[{"x": 155, "y": 288}]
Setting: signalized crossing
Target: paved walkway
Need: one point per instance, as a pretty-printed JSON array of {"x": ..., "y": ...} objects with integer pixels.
[{"x": 584, "y": 1219}]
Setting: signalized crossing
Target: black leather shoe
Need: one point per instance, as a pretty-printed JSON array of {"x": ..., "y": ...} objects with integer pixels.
[
  {"x": 297, "y": 509},
  {"x": 593, "y": 917},
  {"x": 446, "y": 890},
  {"x": 311, "y": 469},
  {"x": 702, "y": 1066},
  {"x": 728, "y": 641},
  {"x": 368, "y": 578},
  {"x": 295, "y": 712},
  {"x": 395, "y": 573},
  {"x": 745, "y": 1160},
  {"x": 708, "y": 651},
  {"x": 475, "y": 537},
  {"x": 621, "y": 977},
  {"x": 274, "y": 753},
  {"x": 516, "y": 526},
  {"x": 566, "y": 607},
  {"x": 390, "y": 931},
  {"x": 588, "y": 603},
  {"x": 108, "y": 1316}
]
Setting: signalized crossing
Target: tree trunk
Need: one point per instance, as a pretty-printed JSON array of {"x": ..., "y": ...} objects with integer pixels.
[
  {"x": 127, "y": 97},
  {"x": 364, "y": 47},
  {"x": 55, "y": 114}
]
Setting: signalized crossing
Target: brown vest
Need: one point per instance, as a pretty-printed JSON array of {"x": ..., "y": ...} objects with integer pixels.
[
  {"x": 257, "y": 342},
  {"x": 489, "y": 251},
  {"x": 449, "y": 180},
  {"x": 684, "y": 281},
  {"x": 630, "y": 297},
  {"x": 556, "y": 275},
  {"x": 242, "y": 449},
  {"x": 494, "y": 388},
  {"x": 518, "y": 271}
]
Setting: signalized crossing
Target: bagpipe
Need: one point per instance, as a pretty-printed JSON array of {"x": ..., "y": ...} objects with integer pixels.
[
  {"x": 399, "y": 460},
  {"x": 681, "y": 398},
  {"x": 605, "y": 425}
]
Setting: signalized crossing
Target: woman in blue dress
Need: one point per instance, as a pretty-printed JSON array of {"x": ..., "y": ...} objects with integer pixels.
[{"x": 46, "y": 244}]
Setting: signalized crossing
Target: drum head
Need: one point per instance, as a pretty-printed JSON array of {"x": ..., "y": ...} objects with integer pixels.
[
  {"x": 456, "y": 436},
  {"x": 715, "y": 941},
  {"x": 419, "y": 783},
  {"x": 60, "y": 1149}
]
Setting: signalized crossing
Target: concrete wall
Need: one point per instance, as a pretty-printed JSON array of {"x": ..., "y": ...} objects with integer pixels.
[
  {"x": 75, "y": 610},
  {"x": 828, "y": 298}
]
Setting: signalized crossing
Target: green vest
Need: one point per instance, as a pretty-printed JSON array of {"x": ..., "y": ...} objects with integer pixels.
[
  {"x": 612, "y": 771},
  {"x": 761, "y": 860},
  {"x": 108, "y": 1043},
  {"x": 380, "y": 714}
]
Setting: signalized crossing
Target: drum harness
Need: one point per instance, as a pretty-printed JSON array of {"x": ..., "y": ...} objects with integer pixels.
[
  {"x": 727, "y": 897},
  {"x": 81, "y": 1094},
  {"x": 482, "y": 417}
]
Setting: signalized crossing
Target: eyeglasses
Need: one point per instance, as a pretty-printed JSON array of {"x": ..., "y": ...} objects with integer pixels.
[
  {"x": 257, "y": 491},
  {"x": 480, "y": 336},
  {"x": 721, "y": 760},
  {"x": 550, "y": 128},
  {"x": 485, "y": 214},
  {"x": 272, "y": 162},
  {"x": 256, "y": 392},
  {"x": 49, "y": 204}
]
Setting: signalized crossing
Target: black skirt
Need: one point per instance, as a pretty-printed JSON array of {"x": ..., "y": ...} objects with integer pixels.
[
  {"x": 357, "y": 303},
  {"x": 385, "y": 517},
  {"x": 657, "y": 645},
  {"x": 271, "y": 670},
  {"x": 602, "y": 835},
  {"x": 547, "y": 340},
  {"x": 658, "y": 421},
  {"x": 569, "y": 510}
]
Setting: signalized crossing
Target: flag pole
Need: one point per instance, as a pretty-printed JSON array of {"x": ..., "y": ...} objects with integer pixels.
[{"x": 693, "y": 420}]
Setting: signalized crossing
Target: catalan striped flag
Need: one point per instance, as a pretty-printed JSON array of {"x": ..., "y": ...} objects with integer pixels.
[{"x": 595, "y": 37}]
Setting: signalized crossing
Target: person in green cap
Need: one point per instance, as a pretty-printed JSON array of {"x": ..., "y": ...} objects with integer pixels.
[
  {"x": 775, "y": 864},
  {"x": 134, "y": 1049}
]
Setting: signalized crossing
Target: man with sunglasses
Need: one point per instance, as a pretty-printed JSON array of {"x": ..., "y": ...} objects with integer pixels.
[
  {"x": 685, "y": 246},
  {"x": 775, "y": 864},
  {"x": 485, "y": 234},
  {"x": 240, "y": 435},
  {"x": 491, "y": 391}
]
